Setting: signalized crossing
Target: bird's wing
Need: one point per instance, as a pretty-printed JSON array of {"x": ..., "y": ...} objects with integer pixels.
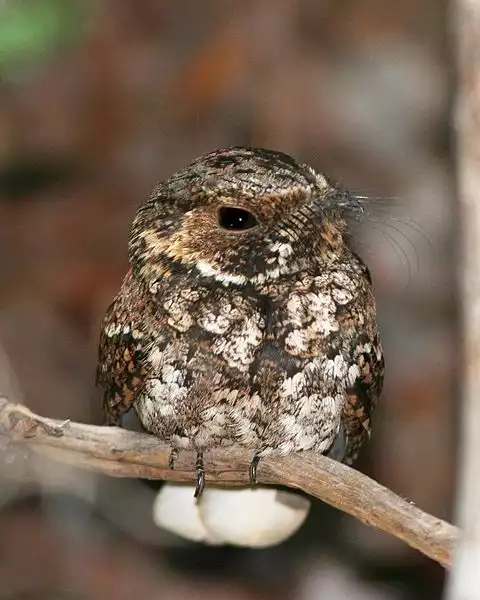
[
  {"x": 122, "y": 367},
  {"x": 362, "y": 395}
]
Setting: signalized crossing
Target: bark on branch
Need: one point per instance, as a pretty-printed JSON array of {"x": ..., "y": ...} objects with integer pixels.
[{"x": 122, "y": 453}]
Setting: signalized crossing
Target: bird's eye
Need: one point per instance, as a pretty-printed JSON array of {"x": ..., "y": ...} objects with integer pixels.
[{"x": 236, "y": 219}]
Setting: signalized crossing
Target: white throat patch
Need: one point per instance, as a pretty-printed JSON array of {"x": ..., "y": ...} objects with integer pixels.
[{"x": 225, "y": 278}]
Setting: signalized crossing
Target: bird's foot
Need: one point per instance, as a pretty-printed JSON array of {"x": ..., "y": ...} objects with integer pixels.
[
  {"x": 172, "y": 457},
  {"x": 253, "y": 469},
  {"x": 200, "y": 480}
]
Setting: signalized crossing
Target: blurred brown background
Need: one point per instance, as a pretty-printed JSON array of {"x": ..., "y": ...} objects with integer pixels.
[{"x": 101, "y": 99}]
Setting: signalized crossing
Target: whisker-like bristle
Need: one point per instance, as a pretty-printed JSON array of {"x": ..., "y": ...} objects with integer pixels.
[
  {"x": 373, "y": 206},
  {"x": 408, "y": 240},
  {"x": 381, "y": 214},
  {"x": 399, "y": 251}
]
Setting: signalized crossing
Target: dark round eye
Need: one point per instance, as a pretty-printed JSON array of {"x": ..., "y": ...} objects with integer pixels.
[{"x": 236, "y": 219}]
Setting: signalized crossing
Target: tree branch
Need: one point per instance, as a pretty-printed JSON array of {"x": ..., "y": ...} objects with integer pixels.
[{"x": 120, "y": 453}]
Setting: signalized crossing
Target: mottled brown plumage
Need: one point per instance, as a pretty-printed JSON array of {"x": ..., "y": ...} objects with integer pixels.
[{"x": 245, "y": 318}]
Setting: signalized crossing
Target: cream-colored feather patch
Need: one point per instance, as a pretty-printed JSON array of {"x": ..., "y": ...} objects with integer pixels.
[{"x": 252, "y": 517}]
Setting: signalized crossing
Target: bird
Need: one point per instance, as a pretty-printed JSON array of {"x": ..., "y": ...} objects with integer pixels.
[{"x": 246, "y": 317}]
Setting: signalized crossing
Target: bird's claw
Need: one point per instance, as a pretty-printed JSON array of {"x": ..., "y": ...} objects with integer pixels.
[
  {"x": 171, "y": 458},
  {"x": 253, "y": 469},
  {"x": 200, "y": 478}
]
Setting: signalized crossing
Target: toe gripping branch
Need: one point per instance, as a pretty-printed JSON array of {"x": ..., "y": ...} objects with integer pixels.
[
  {"x": 200, "y": 478},
  {"x": 200, "y": 470},
  {"x": 253, "y": 469}
]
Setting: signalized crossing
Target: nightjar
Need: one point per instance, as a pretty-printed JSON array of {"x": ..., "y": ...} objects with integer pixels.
[{"x": 246, "y": 317}]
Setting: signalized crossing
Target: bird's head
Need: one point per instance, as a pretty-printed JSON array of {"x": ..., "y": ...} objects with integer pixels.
[{"x": 240, "y": 216}]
